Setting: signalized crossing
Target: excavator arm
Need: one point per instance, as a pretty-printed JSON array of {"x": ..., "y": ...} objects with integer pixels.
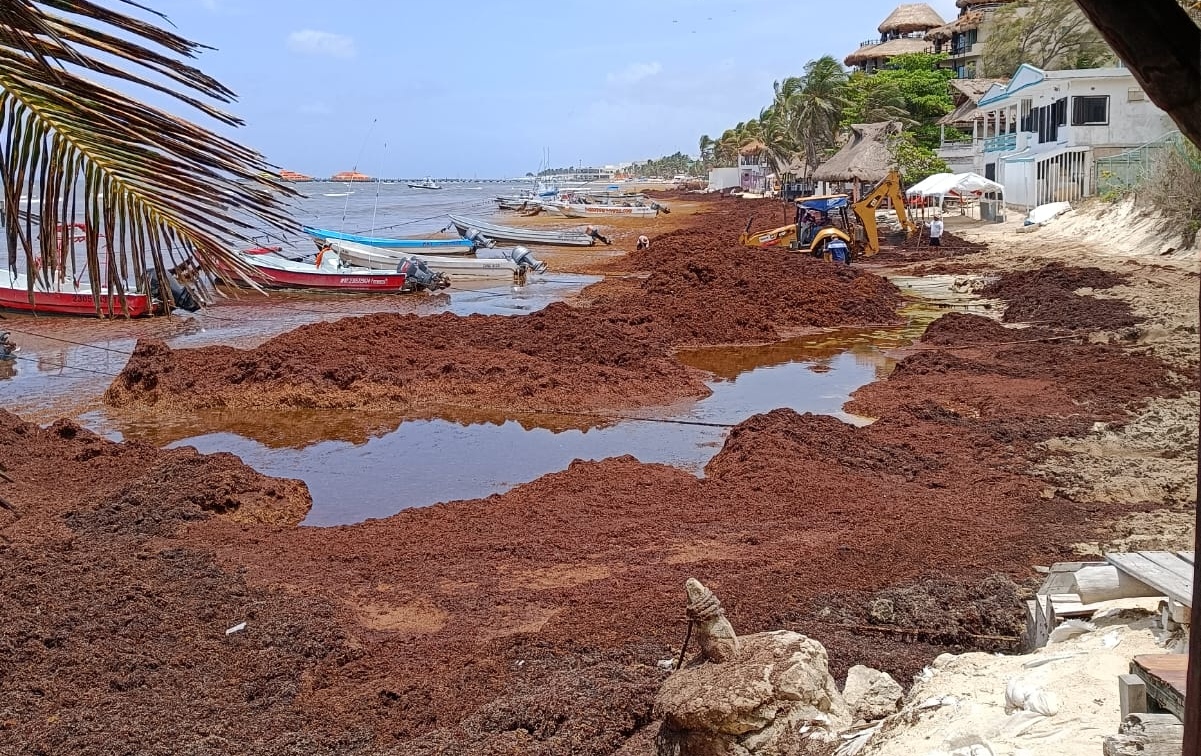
[{"x": 865, "y": 210}]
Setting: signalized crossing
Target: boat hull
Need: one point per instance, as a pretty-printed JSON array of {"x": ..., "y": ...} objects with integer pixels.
[
  {"x": 522, "y": 235},
  {"x": 278, "y": 274},
  {"x": 455, "y": 268},
  {"x": 581, "y": 210},
  {"x": 431, "y": 246},
  {"x": 14, "y": 295}
]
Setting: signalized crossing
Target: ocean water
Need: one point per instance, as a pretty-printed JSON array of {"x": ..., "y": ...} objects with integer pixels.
[{"x": 387, "y": 209}]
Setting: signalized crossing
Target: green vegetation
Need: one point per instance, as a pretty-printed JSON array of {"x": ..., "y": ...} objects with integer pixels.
[
  {"x": 146, "y": 180},
  {"x": 1173, "y": 187},
  {"x": 1048, "y": 34},
  {"x": 800, "y": 128},
  {"x": 914, "y": 161}
]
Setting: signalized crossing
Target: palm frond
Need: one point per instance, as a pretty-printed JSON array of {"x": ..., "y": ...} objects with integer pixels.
[{"x": 149, "y": 186}]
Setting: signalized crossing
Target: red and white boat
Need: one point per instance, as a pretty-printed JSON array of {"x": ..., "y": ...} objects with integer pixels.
[
  {"x": 69, "y": 298},
  {"x": 272, "y": 271}
]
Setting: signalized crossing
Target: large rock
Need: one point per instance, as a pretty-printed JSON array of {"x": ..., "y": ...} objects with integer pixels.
[
  {"x": 772, "y": 696},
  {"x": 871, "y": 694}
]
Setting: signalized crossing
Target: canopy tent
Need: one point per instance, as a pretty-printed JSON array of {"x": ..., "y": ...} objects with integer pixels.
[
  {"x": 941, "y": 185},
  {"x": 823, "y": 204}
]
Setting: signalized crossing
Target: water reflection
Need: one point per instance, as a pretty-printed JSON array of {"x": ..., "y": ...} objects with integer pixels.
[{"x": 361, "y": 465}]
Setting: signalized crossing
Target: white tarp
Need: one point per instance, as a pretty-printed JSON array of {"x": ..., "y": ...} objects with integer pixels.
[{"x": 941, "y": 184}]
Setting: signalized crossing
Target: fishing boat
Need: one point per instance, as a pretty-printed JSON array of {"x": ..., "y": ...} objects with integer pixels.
[
  {"x": 636, "y": 209},
  {"x": 271, "y": 270},
  {"x": 522, "y": 235},
  {"x": 426, "y": 184},
  {"x": 431, "y": 246},
  {"x": 495, "y": 263},
  {"x": 70, "y": 298}
]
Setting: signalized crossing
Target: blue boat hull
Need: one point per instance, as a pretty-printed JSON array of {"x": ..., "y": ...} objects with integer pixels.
[{"x": 438, "y": 246}]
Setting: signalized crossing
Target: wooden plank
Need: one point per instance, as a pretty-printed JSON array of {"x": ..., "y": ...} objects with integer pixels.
[
  {"x": 1166, "y": 679},
  {"x": 1132, "y": 695},
  {"x": 1146, "y": 735},
  {"x": 1143, "y": 569},
  {"x": 1171, "y": 563},
  {"x": 1186, "y": 556}
]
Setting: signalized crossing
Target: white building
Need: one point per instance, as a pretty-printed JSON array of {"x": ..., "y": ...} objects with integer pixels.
[
  {"x": 1039, "y": 134},
  {"x": 752, "y": 174}
]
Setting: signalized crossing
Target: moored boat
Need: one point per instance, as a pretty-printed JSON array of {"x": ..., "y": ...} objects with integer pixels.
[
  {"x": 68, "y": 298},
  {"x": 432, "y": 246},
  {"x": 426, "y": 184},
  {"x": 496, "y": 263},
  {"x": 272, "y": 271},
  {"x": 522, "y": 235},
  {"x": 590, "y": 209}
]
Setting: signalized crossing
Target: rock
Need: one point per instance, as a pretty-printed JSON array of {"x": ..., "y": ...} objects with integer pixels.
[
  {"x": 714, "y": 633},
  {"x": 871, "y": 694},
  {"x": 775, "y": 694}
]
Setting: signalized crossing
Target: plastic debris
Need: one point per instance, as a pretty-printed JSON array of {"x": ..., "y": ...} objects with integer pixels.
[{"x": 236, "y": 628}]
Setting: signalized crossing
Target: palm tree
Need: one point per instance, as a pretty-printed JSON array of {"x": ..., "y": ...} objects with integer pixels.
[
  {"x": 154, "y": 187},
  {"x": 818, "y": 106}
]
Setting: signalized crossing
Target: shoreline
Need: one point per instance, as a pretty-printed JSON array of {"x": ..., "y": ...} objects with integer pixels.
[{"x": 537, "y": 617}]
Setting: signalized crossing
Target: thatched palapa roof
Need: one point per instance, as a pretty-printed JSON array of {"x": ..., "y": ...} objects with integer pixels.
[
  {"x": 967, "y": 93},
  {"x": 752, "y": 147},
  {"x": 974, "y": 3},
  {"x": 859, "y": 56},
  {"x": 865, "y": 157},
  {"x": 899, "y": 46},
  {"x": 967, "y": 21},
  {"x": 910, "y": 17}
]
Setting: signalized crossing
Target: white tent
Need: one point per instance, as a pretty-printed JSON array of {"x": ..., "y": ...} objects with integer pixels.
[{"x": 956, "y": 184}]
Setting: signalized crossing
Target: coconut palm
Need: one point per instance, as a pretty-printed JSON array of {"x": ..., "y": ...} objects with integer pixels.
[
  {"x": 154, "y": 188},
  {"x": 818, "y": 106}
]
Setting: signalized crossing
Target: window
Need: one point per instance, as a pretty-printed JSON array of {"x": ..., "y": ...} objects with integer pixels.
[{"x": 1088, "y": 111}]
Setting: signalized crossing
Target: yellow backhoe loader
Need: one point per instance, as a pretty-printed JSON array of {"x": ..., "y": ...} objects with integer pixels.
[{"x": 832, "y": 221}]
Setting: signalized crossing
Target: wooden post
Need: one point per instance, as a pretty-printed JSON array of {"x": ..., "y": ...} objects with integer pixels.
[{"x": 1132, "y": 695}]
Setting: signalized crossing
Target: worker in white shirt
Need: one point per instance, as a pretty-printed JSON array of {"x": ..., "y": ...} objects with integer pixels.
[{"x": 936, "y": 231}]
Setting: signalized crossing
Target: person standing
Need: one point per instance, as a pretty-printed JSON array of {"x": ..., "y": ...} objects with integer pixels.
[
  {"x": 936, "y": 231},
  {"x": 838, "y": 250}
]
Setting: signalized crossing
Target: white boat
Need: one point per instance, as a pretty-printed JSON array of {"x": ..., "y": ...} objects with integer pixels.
[
  {"x": 495, "y": 263},
  {"x": 516, "y": 235},
  {"x": 590, "y": 209},
  {"x": 427, "y": 184}
]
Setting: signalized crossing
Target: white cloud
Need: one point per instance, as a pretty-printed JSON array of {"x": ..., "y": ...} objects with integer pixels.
[
  {"x": 311, "y": 42},
  {"x": 634, "y": 73}
]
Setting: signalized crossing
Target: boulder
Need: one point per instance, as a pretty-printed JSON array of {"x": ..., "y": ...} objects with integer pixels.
[
  {"x": 774, "y": 694},
  {"x": 871, "y": 694}
]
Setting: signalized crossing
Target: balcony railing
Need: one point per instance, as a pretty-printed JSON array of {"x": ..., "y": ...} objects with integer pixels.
[
  {"x": 1001, "y": 143},
  {"x": 960, "y": 50}
]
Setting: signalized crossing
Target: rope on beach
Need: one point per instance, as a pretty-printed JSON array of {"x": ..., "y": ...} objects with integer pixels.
[{"x": 65, "y": 366}]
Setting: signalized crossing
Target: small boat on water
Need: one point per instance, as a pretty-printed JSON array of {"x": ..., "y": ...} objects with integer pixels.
[
  {"x": 522, "y": 235},
  {"x": 495, "y": 263},
  {"x": 432, "y": 246},
  {"x": 71, "y": 298},
  {"x": 273, "y": 271},
  {"x": 426, "y": 184}
]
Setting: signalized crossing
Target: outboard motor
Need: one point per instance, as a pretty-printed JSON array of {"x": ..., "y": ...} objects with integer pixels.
[
  {"x": 477, "y": 239},
  {"x": 8, "y": 350},
  {"x": 418, "y": 275},
  {"x": 523, "y": 256},
  {"x": 179, "y": 296}
]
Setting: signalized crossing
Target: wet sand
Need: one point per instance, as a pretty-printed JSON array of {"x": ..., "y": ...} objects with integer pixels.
[{"x": 532, "y": 621}]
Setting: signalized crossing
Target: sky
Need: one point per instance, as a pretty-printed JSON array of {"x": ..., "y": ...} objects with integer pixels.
[{"x": 491, "y": 88}]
